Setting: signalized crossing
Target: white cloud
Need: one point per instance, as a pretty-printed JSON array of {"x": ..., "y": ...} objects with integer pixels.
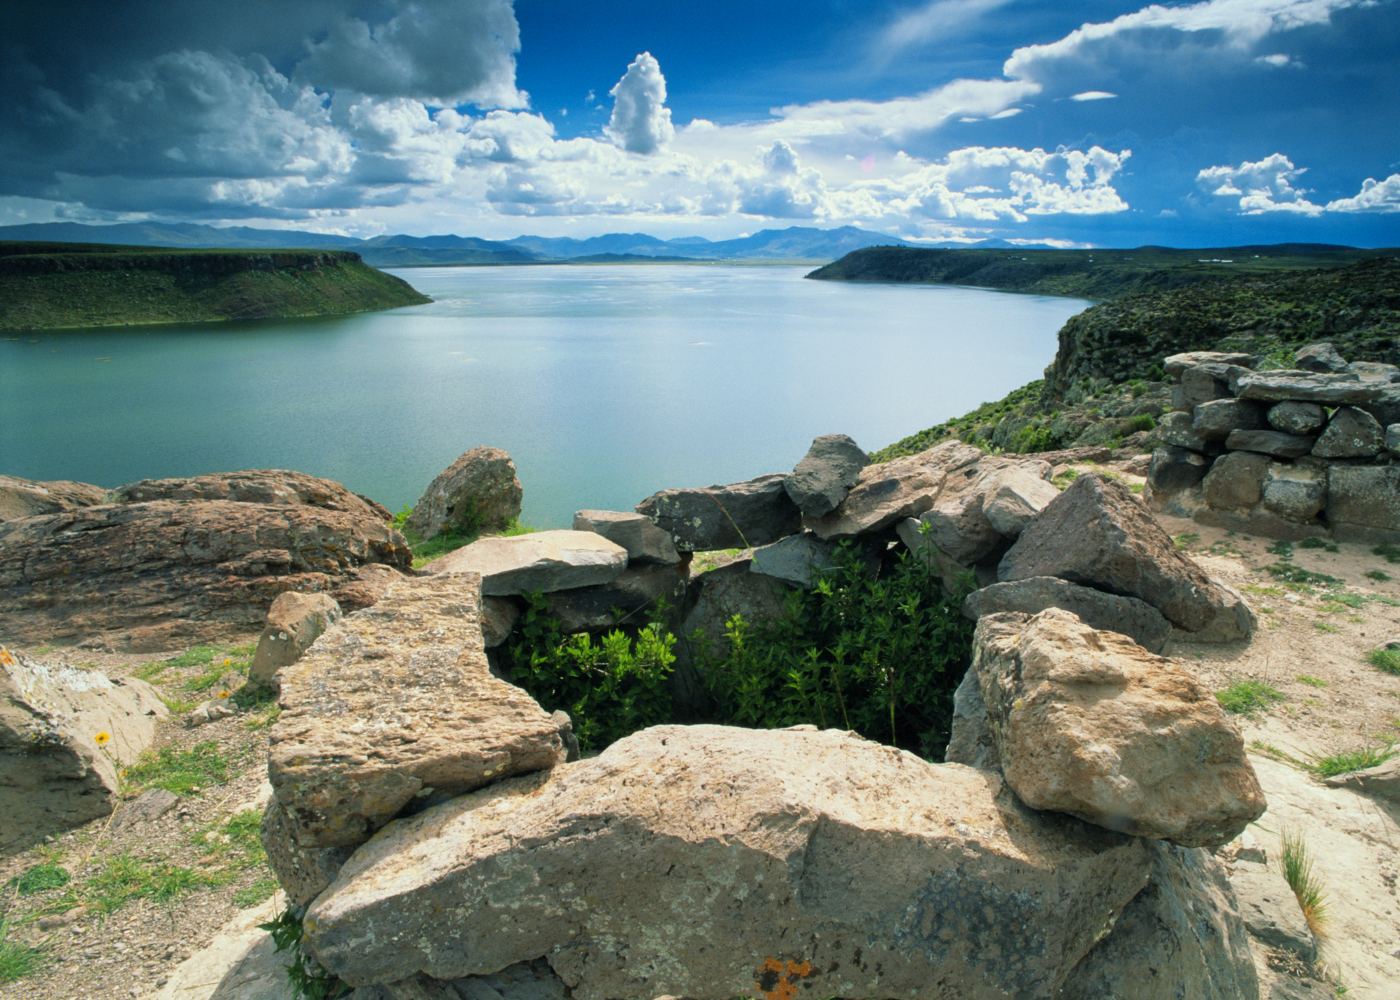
[
  {"x": 640, "y": 122},
  {"x": 1374, "y": 196},
  {"x": 1267, "y": 185},
  {"x": 1093, "y": 95},
  {"x": 934, "y": 20},
  {"x": 1278, "y": 60},
  {"x": 902, "y": 116}
]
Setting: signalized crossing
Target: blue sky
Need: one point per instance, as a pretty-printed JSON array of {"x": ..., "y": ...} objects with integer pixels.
[{"x": 1099, "y": 123}]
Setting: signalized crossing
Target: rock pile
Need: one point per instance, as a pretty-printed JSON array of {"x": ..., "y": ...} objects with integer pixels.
[{"x": 1287, "y": 453}]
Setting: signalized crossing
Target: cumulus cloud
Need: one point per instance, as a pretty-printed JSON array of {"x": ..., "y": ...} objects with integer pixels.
[
  {"x": 640, "y": 122},
  {"x": 1267, "y": 185},
  {"x": 1093, "y": 95},
  {"x": 445, "y": 52},
  {"x": 1374, "y": 196}
]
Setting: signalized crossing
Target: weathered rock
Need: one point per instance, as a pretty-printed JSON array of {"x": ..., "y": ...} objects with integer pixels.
[
  {"x": 1181, "y": 937},
  {"x": 1174, "y": 470},
  {"x": 147, "y": 807},
  {"x": 498, "y": 618},
  {"x": 303, "y": 872},
  {"x": 64, "y": 733},
  {"x": 643, "y": 540},
  {"x": 1392, "y": 439},
  {"x": 1177, "y": 430},
  {"x": 260, "y": 486},
  {"x": 212, "y": 710},
  {"x": 1271, "y": 911},
  {"x": 1375, "y": 371},
  {"x": 1319, "y": 358},
  {"x": 888, "y": 492},
  {"x": 623, "y": 871},
  {"x": 394, "y": 700},
  {"x": 1201, "y": 384},
  {"x": 522, "y": 981},
  {"x": 365, "y": 586},
  {"x": 541, "y": 562},
  {"x": 1089, "y": 723},
  {"x": 623, "y": 600},
  {"x": 798, "y": 559},
  {"x": 28, "y": 497},
  {"x": 294, "y": 622},
  {"x": 1379, "y": 782},
  {"x": 1351, "y": 433},
  {"x": 1128, "y": 616},
  {"x": 826, "y": 474},
  {"x": 1175, "y": 364},
  {"x": 1297, "y": 418},
  {"x": 478, "y": 492},
  {"x": 970, "y": 738},
  {"x": 1018, "y": 498},
  {"x": 1340, "y": 389},
  {"x": 1097, "y": 533},
  {"x": 1273, "y": 443},
  {"x": 739, "y": 515},
  {"x": 1365, "y": 497},
  {"x": 1236, "y": 480},
  {"x": 1296, "y": 492},
  {"x": 170, "y": 573},
  {"x": 1215, "y": 420}
]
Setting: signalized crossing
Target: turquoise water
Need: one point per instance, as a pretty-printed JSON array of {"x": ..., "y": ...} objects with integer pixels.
[{"x": 604, "y": 383}]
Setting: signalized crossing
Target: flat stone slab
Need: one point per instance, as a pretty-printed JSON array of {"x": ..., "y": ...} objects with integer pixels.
[
  {"x": 393, "y": 700},
  {"x": 1128, "y": 616},
  {"x": 637, "y": 533},
  {"x": 798, "y": 559},
  {"x": 1175, "y": 364},
  {"x": 1274, "y": 443},
  {"x": 542, "y": 562},
  {"x": 732, "y": 516},
  {"x": 1332, "y": 389}
]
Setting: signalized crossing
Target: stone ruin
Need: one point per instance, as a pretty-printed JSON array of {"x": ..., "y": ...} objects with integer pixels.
[
  {"x": 441, "y": 840},
  {"x": 1290, "y": 453}
]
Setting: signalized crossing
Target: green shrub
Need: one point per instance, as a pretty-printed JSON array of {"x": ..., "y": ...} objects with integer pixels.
[{"x": 1140, "y": 422}]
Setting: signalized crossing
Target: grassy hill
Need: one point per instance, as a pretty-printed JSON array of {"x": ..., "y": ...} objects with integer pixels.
[{"x": 46, "y": 286}]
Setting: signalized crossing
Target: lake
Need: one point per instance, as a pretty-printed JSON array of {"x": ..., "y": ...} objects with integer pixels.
[{"x": 605, "y": 383}]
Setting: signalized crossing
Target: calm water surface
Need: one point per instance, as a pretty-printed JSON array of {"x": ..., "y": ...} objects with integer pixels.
[{"x": 604, "y": 383}]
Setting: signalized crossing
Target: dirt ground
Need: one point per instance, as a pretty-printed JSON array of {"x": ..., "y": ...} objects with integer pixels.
[{"x": 195, "y": 870}]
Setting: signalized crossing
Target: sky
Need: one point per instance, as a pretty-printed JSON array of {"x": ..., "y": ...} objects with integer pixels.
[{"x": 1101, "y": 123}]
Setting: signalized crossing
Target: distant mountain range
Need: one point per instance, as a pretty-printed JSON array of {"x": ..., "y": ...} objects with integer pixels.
[{"x": 794, "y": 243}]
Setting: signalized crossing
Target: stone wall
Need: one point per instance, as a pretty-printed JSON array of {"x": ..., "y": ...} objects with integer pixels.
[{"x": 1286, "y": 453}]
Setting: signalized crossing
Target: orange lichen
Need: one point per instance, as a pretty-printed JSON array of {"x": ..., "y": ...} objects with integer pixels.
[{"x": 778, "y": 979}]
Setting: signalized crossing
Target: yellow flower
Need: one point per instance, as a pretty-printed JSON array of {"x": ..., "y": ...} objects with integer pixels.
[
  {"x": 224, "y": 693},
  {"x": 103, "y": 738},
  {"x": 228, "y": 661}
]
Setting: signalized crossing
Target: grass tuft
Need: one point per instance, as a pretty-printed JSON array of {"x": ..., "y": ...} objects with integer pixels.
[
  {"x": 1385, "y": 659},
  {"x": 179, "y": 771},
  {"x": 1311, "y": 681},
  {"x": 1306, "y": 886},
  {"x": 124, "y": 878},
  {"x": 1248, "y": 697},
  {"x": 1349, "y": 761},
  {"x": 41, "y": 878},
  {"x": 17, "y": 960}
]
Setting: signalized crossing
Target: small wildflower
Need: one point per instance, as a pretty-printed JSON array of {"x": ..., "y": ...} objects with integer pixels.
[
  {"x": 103, "y": 738},
  {"x": 228, "y": 661},
  {"x": 225, "y": 693}
]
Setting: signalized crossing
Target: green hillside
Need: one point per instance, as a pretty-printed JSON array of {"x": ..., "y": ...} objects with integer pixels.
[{"x": 48, "y": 286}]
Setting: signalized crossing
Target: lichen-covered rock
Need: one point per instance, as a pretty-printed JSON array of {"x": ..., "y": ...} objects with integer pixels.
[
  {"x": 478, "y": 492},
  {"x": 1236, "y": 481},
  {"x": 699, "y": 861},
  {"x": 1295, "y": 492},
  {"x": 1351, "y": 433},
  {"x": 1392, "y": 439},
  {"x": 1330, "y": 389},
  {"x": 1215, "y": 420},
  {"x": 262, "y": 486},
  {"x": 1364, "y": 500},
  {"x": 1177, "y": 430},
  {"x": 643, "y": 540},
  {"x": 1175, "y": 364},
  {"x": 540, "y": 562},
  {"x": 824, "y": 476},
  {"x": 294, "y": 622},
  {"x": 64, "y": 734},
  {"x": 1016, "y": 498},
  {"x": 1319, "y": 358},
  {"x": 970, "y": 738},
  {"x": 393, "y": 701},
  {"x": 1274, "y": 443},
  {"x": 1297, "y": 418},
  {"x": 798, "y": 559},
  {"x": 303, "y": 872},
  {"x": 1098, "y": 534},
  {"x": 27, "y": 497},
  {"x": 522, "y": 981},
  {"x": 1091, "y": 724},
  {"x": 739, "y": 515},
  {"x": 1128, "y": 616}
]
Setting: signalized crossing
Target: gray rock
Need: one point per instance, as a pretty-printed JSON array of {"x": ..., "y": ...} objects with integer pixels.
[
  {"x": 1201, "y": 384},
  {"x": 637, "y": 533},
  {"x": 1392, "y": 439},
  {"x": 1342, "y": 389},
  {"x": 1013, "y": 490},
  {"x": 1236, "y": 481},
  {"x": 1270, "y": 443},
  {"x": 1181, "y": 938},
  {"x": 1175, "y": 364},
  {"x": 1380, "y": 782},
  {"x": 1375, "y": 371},
  {"x": 1319, "y": 358},
  {"x": 1098, "y": 534},
  {"x": 798, "y": 559},
  {"x": 27, "y": 498},
  {"x": 303, "y": 872},
  {"x": 826, "y": 474},
  {"x": 623, "y": 600},
  {"x": 543, "y": 562},
  {"x": 1176, "y": 430},
  {"x": 1271, "y": 911},
  {"x": 717, "y": 595},
  {"x": 147, "y": 807},
  {"x": 522, "y": 981},
  {"x": 970, "y": 738},
  {"x": 1365, "y": 497},
  {"x": 1017, "y": 499},
  {"x": 1351, "y": 433},
  {"x": 918, "y": 539},
  {"x": 1128, "y": 616},
  {"x": 478, "y": 492},
  {"x": 1295, "y": 492},
  {"x": 498, "y": 618},
  {"x": 888, "y": 492},
  {"x": 736, "y": 516},
  {"x": 294, "y": 622},
  {"x": 1174, "y": 470},
  {"x": 1216, "y": 419},
  {"x": 1297, "y": 418},
  {"x": 618, "y": 868}
]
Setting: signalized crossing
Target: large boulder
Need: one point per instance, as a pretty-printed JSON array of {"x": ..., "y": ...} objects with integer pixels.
[
  {"x": 1177, "y": 430},
  {"x": 1128, "y": 616},
  {"x": 303, "y": 872},
  {"x": 522, "y": 981},
  {"x": 1014, "y": 497},
  {"x": 1319, "y": 358},
  {"x": 263, "y": 486},
  {"x": 700, "y": 861},
  {"x": 1295, "y": 492},
  {"x": 64, "y": 735},
  {"x": 1175, "y": 364},
  {"x": 544, "y": 561},
  {"x": 478, "y": 492},
  {"x": 797, "y": 559},
  {"x": 1174, "y": 470},
  {"x": 27, "y": 497},
  {"x": 294, "y": 622},
  {"x": 826, "y": 474},
  {"x": 396, "y": 700},
  {"x": 1091, "y": 724},
  {"x": 1236, "y": 481},
  {"x": 166, "y": 573},
  {"x": 969, "y": 737},
  {"x": 1098, "y": 534},
  {"x": 638, "y": 534},
  {"x": 1215, "y": 420},
  {"x": 1351, "y": 433},
  {"x": 1363, "y": 501},
  {"x": 887, "y": 492},
  {"x": 736, "y": 516}
]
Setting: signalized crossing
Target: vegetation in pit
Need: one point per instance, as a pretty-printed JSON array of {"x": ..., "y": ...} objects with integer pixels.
[
  {"x": 1248, "y": 696},
  {"x": 306, "y": 977}
]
